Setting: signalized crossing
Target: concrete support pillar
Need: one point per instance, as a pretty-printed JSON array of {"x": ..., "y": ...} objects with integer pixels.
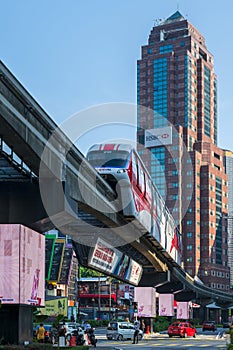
[{"x": 16, "y": 323}]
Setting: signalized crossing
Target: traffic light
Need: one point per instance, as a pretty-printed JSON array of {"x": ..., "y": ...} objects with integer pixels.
[{"x": 135, "y": 306}]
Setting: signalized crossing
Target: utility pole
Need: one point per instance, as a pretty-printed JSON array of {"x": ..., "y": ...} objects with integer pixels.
[
  {"x": 110, "y": 299},
  {"x": 78, "y": 296},
  {"x": 99, "y": 295}
]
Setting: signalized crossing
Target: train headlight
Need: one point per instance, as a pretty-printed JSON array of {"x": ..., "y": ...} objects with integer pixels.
[{"x": 120, "y": 171}]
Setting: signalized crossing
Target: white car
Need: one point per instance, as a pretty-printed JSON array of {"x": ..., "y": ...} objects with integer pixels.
[
  {"x": 71, "y": 327},
  {"x": 122, "y": 330}
]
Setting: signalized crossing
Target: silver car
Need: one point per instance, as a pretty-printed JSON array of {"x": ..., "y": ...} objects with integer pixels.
[{"x": 121, "y": 330}]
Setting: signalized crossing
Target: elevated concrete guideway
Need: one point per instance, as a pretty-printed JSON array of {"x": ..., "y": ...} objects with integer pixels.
[{"x": 26, "y": 129}]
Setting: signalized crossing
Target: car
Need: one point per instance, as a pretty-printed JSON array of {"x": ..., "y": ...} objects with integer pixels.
[
  {"x": 121, "y": 330},
  {"x": 181, "y": 329},
  {"x": 51, "y": 333},
  {"x": 209, "y": 326}
]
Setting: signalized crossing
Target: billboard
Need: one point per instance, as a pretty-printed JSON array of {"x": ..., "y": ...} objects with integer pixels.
[
  {"x": 49, "y": 249},
  {"x": 146, "y": 298},
  {"x": 55, "y": 307},
  {"x": 108, "y": 259},
  {"x": 158, "y": 137},
  {"x": 166, "y": 305},
  {"x": 183, "y": 310},
  {"x": 22, "y": 262},
  {"x": 66, "y": 265},
  {"x": 57, "y": 257},
  {"x": 125, "y": 291}
]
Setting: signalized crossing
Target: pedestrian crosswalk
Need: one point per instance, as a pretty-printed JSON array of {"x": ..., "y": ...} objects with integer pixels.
[{"x": 182, "y": 345}]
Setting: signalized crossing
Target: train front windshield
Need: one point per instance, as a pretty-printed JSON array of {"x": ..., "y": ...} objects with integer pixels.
[{"x": 108, "y": 159}]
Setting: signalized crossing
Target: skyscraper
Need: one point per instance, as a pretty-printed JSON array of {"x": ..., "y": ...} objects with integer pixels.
[
  {"x": 177, "y": 139},
  {"x": 229, "y": 218}
]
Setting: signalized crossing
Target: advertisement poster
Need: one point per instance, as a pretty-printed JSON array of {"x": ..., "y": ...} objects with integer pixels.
[
  {"x": 54, "y": 307},
  {"x": 49, "y": 249},
  {"x": 183, "y": 310},
  {"x": 66, "y": 265},
  {"x": 57, "y": 257},
  {"x": 158, "y": 137},
  {"x": 166, "y": 305},
  {"x": 125, "y": 291},
  {"x": 22, "y": 261},
  {"x": 108, "y": 259},
  {"x": 146, "y": 298},
  {"x": 104, "y": 256}
]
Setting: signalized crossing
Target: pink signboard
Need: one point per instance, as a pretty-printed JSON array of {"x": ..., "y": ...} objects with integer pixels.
[
  {"x": 183, "y": 310},
  {"x": 166, "y": 305},
  {"x": 22, "y": 265},
  {"x": 146, "y": 298}
]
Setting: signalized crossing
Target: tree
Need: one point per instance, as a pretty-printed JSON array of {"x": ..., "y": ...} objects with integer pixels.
[{"x": 86, "y": 272}]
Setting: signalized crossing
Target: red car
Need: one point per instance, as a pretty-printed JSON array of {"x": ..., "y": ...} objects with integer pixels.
[
  {"x": 181, "y": 329},
  {"x": 209, "y": 326}
]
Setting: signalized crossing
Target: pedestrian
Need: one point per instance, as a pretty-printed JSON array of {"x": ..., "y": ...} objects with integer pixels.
[
  {"x": 86, "y": 326},
  {"x": 62, "y": 335},
  {"x": 136, "y": 332},
  {"x": 62, "y": 332},
  {"x": 143, "y": 326},
  {"x": 40, "y": 333}
]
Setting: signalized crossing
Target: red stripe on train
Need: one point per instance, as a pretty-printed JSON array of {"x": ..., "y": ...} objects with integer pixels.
[{"x": 109, "y": 147}]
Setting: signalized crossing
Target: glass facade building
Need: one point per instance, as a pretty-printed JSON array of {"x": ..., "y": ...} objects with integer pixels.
[{"x": 177, "y": 89}]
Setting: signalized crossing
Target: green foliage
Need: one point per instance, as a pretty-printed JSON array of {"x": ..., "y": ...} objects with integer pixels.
[
  {"x": 86, "y": 272},
  {"x": 39, "y": 318},
  {"x": 98, "y": 323},
  {"x": 230, "y": 346},
  {"x": 196, "y": 322},
  {"x": 58, "y": 319},
  {"x": 161, "y": 323},
  {"x": 231, "y": 335}
]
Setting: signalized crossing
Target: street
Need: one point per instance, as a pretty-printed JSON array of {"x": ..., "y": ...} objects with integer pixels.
[{"x": 206, "y": 340}]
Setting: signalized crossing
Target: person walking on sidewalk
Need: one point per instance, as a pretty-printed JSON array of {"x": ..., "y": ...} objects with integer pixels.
[
  {"x": 40, "y": 333},
  {"x": 136, "y": 332}
]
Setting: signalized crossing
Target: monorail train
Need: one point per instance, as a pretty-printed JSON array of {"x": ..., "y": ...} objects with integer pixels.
[{"x": 121, "y": 166}]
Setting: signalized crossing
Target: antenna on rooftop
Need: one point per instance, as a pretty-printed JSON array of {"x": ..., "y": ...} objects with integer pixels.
[{"x": 157, "y": 21}]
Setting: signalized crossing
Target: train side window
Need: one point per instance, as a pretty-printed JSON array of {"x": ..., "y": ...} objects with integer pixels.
[
  {"x": 134, "y": 170},
  {"x": 158, "y": 204},
  {"x": 141, "y": 180},
  {"x": 148, "y": 193}
]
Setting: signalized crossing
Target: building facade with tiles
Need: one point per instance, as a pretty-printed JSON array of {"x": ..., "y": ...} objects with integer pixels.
[{"x": 177, "y": 140}]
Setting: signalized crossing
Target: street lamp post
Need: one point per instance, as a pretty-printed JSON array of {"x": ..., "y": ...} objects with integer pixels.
[{"x": 93, "y": 301}]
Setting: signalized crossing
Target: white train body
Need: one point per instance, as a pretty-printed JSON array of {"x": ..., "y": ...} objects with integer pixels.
[{"x": 138, "y": 197}]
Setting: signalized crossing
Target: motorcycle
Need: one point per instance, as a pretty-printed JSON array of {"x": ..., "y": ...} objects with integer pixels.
[
  {"x": 78, "y": 333},
  {"x": 80, "y": 339},
  {"x": 91, "y": 337}
]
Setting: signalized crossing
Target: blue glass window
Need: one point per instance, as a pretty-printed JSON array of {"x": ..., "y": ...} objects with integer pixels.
[{"x": 165, "y": 48}]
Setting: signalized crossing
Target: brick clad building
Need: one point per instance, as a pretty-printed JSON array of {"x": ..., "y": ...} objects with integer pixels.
[{"x": 177, "y": 140}]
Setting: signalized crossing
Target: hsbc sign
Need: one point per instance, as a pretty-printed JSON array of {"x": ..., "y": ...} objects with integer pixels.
[{"x": 158, "y": 137}]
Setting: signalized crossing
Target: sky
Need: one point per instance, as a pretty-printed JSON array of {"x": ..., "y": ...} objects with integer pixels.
[{"x": 74, "y": 55}]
